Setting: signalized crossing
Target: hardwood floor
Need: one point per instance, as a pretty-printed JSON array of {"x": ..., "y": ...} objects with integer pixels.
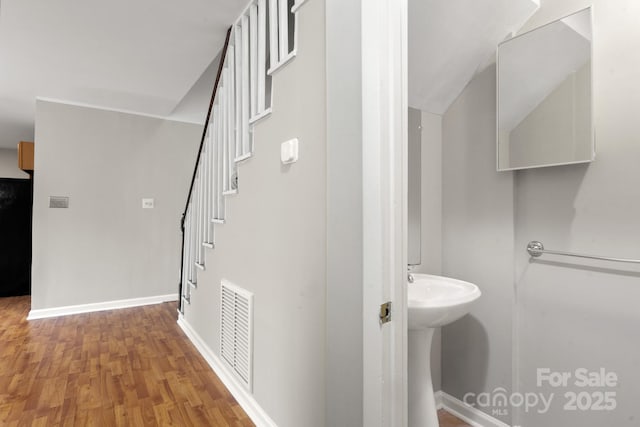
[
  {"x": 129, "y": 367},
  {"x": 448, "y": 420}
]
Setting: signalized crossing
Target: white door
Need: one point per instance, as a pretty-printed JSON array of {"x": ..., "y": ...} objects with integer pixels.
[{"x": 384, "y": 118}]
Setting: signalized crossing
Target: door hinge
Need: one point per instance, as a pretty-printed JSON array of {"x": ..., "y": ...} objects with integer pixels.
[{"x": 385, "y": 312}]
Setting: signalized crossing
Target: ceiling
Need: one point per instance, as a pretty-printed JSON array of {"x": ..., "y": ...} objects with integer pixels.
[
  {"x": 451, "y": 40},
  {"x": 139, "y": 56},
  {"x": 154, "y": 56}
]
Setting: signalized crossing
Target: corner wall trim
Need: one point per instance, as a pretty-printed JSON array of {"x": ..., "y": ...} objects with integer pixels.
[
  {"x": 99, "y": 306},
  {"x": 465, "y": 412},
  {"x": 239, "y": 392}
]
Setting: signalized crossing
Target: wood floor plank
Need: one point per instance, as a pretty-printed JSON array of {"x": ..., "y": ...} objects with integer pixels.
[
  {"x": 448, "y": 420},
  {"x": 112, "y": 368}
]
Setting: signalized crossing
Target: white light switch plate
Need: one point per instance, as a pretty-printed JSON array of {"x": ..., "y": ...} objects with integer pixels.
[
  {"x": 289, "y": 151},
  {"x": 147, "y": 203}
]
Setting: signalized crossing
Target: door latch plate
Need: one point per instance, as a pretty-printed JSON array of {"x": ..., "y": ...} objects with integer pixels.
[{"x": 385, "y": 312}]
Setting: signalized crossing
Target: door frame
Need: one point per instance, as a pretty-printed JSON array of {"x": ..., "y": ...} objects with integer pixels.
[{"x": 384, "y": 156}]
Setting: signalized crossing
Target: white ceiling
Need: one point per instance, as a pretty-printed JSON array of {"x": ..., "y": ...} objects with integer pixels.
[
  {"x": 140, "y": 56},
  {"x": 450, "y": 40},
  {"x": 553, "y": 52}
]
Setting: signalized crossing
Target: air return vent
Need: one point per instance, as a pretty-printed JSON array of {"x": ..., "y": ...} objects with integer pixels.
[{"x": 236, "y": 330}]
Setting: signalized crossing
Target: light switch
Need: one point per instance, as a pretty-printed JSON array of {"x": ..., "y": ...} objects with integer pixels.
[
  {"x": 147, "y": 203},
  {"x": 289, "y": 151}
]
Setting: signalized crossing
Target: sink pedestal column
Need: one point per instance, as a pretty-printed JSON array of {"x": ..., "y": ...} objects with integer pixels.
[{"x": 422, "y": 403}]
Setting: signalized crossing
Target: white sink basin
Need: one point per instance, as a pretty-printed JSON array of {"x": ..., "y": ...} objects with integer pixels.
[{"x": 435, "y": 301}]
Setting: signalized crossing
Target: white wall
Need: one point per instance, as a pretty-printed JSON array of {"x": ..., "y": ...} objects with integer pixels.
[
  {"x": 9, "y": 164},
  {"x": 477, "y": 242},
  {"x": 105, "y": 247},
  {"x": 344, "y": 296},
  {"x": 583, "y": 314},
  {"x": 274, "y": 242}
]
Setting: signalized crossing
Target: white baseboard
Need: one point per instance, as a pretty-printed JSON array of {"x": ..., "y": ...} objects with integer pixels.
[
  {"x": 99, "y": 306},
  {"x": 473, "y": 416},
  {"x": 239, "y": 392},
  {"x": 438, "y": 396}
]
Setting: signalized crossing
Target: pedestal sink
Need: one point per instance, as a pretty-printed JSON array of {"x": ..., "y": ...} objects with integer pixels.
[{"x": 434, "y": 301}]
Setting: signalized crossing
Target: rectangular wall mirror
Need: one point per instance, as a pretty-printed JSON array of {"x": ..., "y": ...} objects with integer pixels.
[
  {"x": 414, "y": 187},
  {"x": 545, "y": 95}
]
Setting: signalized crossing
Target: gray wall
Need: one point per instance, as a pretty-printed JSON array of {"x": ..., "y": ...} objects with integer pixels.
[
  {"x": 414, "y": 186},
  {"x": 431, "y": 194},
  {"x": 477, "y": 242},
  {"x": 9, "y": 164},
  {"x": 194, "y": 105},
  {"x": 105, "y": 247},
  {"x": 568, "y": 314},
  {"x": 583, "y": 314},
  {"x": 274, "y": 242}
]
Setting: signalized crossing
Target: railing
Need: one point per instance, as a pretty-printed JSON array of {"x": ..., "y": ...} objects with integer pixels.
[
  {"x": 187, "y": 237},
  {"x": 260, "y": 41}
]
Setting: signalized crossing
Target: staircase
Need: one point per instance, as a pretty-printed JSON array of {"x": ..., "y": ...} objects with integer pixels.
[{"x": 262, "y": 40}]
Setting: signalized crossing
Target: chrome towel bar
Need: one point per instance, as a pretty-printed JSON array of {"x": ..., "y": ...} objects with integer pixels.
[{"x": 536, "y": 249}]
